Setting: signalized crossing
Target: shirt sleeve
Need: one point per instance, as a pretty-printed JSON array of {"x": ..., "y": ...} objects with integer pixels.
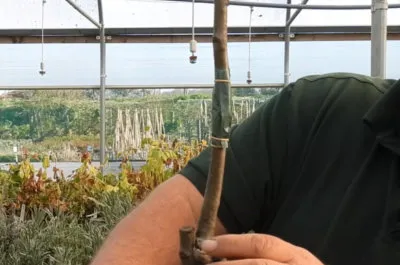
[{"x": 255, "y": 161}]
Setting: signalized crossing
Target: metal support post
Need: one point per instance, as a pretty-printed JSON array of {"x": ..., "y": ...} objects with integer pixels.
[
  {"x": 378, "y": 37},
  {"x": 83, "y": 13},
  {"x": 295, "y": 14},
  {"x": 287, "y": 47},
  {"x": 102, "y": 85}
]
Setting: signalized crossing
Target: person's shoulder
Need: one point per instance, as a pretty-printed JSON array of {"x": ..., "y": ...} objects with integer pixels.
[
  {"x": 314, "y": 90},
  {"x": 330, "y": 96},
  {"x": 340, "y": 81}
]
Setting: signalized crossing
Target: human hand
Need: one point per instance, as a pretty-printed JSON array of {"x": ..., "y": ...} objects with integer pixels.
[{"x": 256, "y": 249}]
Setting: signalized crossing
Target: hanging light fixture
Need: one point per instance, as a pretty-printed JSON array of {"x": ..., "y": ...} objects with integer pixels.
[
  {"x": 249, "y": 59},
  {"x": 42, "y": 70},
  {"x": 193, "y": 42}
]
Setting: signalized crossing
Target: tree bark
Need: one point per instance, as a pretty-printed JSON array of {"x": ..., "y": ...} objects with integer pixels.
[{"x": 190, "y": 253}]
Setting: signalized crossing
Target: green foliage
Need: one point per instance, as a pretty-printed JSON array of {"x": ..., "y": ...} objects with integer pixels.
[
  {"x": 49, "y": 114},
  {"x": 165, "y": 159},
  {"x": 268, "y": 91},
  {"x": 39, "y": 119},
  {"x": 7, "y": 158},
  {"x": 51, "y": 238},
  {"x": 193, "y": 96},
  {"x": 24, "y": 186},
  {"x": 56, "y": 220},
  {"x": 14, "y": 123},
  {"x": 171, "y": 126},
  {"x": 244, "y": 92},
  {"x": 70, "y": 120},
  {"x": 56, "y": 143}
]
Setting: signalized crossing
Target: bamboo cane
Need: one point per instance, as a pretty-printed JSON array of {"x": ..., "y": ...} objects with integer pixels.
[{"x": 190, "y": 253}]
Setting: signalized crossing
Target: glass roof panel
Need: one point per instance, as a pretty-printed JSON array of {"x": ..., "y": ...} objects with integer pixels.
[
  {"x": 343, "y": 17},
  {"x": 158, "y": 13},
  {"x": 27, "y": 14}
]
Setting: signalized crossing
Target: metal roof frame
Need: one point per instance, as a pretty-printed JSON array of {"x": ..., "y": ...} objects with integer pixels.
[
  {"x": 188, "y": 31},
  {"x": 138, "y": 87},
  {"x": 291, "y": 6},
  {"x": 183, "y": 34},
  {"x": 378, "y": 33}
]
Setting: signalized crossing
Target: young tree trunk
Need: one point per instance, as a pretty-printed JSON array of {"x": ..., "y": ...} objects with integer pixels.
[{"x": 190, "y": 253}]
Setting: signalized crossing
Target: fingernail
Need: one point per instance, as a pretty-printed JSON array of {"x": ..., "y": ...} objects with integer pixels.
[{"x": 208, "y": 245}]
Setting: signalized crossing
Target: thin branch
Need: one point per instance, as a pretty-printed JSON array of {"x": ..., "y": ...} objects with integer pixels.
[{"x": 221, "y": 124}]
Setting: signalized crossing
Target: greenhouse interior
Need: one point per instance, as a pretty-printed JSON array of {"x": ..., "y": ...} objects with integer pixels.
[{"x": 81, "y": 98}]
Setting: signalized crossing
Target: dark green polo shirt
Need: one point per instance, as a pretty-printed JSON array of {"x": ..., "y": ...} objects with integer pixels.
[{"x": 318, "y": 166}]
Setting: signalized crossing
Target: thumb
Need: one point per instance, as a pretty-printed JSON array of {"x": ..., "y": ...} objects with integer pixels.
[
  {"x": 208, "y": 245},
  {"x": 250, "y": 246}
]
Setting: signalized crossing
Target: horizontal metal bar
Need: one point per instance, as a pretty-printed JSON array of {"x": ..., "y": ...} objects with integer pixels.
[
  {"x": 285, "y": 6},
  {"x": 201, "y": 39},
  {"x": 138, "y": 87},
  {"x": 295, "y": 14},
  {"x": 83, "y": 13},
  {"x": 172, "y": 31}
]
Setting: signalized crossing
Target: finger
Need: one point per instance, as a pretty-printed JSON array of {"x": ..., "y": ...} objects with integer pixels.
[
  {"x": 249, "y": 262},
  {"x": 251, "y": 246}
]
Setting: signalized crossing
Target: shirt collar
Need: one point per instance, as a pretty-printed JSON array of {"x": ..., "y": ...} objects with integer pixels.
[{"x": 384, "y": 116}]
